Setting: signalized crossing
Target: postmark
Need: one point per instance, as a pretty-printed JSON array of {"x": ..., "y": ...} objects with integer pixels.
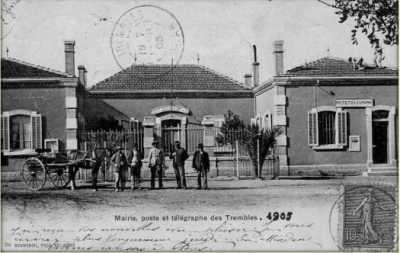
[
  {"x": 365, "y": 217},
  {"x": 147, "y": 35}
]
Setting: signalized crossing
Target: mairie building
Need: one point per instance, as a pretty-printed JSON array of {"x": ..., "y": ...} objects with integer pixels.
[{"x": 335, "y": 115}]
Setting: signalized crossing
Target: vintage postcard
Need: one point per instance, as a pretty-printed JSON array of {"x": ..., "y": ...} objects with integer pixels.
[{"x": 254, "y": 125}]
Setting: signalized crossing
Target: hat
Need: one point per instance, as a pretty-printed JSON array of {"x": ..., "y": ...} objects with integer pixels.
[
  {"x": 200, "y": 145},
  {"x": 177, "y": 142},
  {"x": 154, "y": 143},
  {"x": 118, "y": 147}
]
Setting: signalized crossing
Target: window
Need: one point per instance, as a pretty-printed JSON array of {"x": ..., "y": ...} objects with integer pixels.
[
  {"x": 267, "y": 121},
  {"x": 327, "y": 128},
  {"x": 21, "y": 130},
  {"x": 264, "y": 122}
]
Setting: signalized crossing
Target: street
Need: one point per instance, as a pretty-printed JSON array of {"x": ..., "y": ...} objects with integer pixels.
[{"x": 226, "y": 203}]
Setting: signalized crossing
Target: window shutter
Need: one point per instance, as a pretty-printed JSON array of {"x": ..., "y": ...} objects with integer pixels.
[
  {"x": 270, "y": 120},
  {"x": 259, "y": 121},
  {"x": 36, "y": 131},
  {"x": 342, "y": 127},
  {"x": 313, "y": 127},
  {"x": 267, "y": 121},
  {"x": 5, "y": 132}
]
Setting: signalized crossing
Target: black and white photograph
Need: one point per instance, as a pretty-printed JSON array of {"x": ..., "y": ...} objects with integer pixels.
[{"x": 173, "y": 125}]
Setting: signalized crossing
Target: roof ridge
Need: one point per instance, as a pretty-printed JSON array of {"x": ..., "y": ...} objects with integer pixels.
[
  {"x": 223, "y": 75},
  {"x": 346, "y": 61},
  {"x": 323, "y": 60},
  {"x": 208, "y": 70},
  {"x": 36, "y": 66},
  {"x": 132, "y": 67},
  {"x": 318, "y": 60}
]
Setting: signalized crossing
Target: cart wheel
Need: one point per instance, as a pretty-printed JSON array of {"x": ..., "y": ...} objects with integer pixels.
[
  {"x": 33, "y": 173},
  {"x": 59, "y": 177}
]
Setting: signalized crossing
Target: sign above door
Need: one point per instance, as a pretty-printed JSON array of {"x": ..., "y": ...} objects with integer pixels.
[{"x": 355, "y": 102}]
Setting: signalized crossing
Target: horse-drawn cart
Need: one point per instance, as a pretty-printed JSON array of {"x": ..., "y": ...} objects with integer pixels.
[{"x": 56, "y": 167}]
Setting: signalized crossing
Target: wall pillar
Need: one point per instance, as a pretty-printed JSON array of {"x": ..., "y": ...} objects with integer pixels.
[
  {"x": 148, "y": 132},
  {"x": 183, "y": 132},
  {"x": 392, "y": 137},
  {"x": 368, "y": 115},
  {"x": 71, "y": 121},
  {"x": 279, "y": 120}
]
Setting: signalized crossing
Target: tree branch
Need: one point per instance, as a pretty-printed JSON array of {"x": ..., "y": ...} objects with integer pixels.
[{"x": 328, "y": 4}]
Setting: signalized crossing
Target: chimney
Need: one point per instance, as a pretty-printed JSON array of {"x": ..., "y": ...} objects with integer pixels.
[
  {"x": 247, "y": 80},
  {"x": 256, "y": 69},
  {"x": 69, "y": 57},
  {"x": 82, "y": 75},
  {"x": 278, "y": 51}
]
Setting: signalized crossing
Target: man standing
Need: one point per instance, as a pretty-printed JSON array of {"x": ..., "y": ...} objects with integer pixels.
[
  {"x": 156, "y": 165},
  {"x": 201, "y": 163},
  {"x": 119, "y": 161},
  {"x": 180, "y": 155},
  {"x": 136, "y": 165}
]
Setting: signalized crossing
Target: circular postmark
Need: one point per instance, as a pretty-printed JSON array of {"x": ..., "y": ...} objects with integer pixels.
[
  {"x": 364, "y": 217},
  {"x": 147, "y": 35}
]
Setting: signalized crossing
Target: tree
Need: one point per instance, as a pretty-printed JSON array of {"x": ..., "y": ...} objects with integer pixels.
[
  {"x": 265, "y": 138},
  {"x": 376, "y": 19},
  {"x": 232, "y": 124},
  {"x": 8, "y": 16},
  {"x": 248, "y": 136},
  {"x": 232, "y": 121}
]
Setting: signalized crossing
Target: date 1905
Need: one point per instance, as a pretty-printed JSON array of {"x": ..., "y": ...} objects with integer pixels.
[{"x": 274, "y": 216}]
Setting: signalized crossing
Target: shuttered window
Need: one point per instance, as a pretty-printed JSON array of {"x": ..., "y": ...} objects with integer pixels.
[
  {"x": 313, "y": 127},
  {"x": 21, "y": 130},
  {"x": 327, "y": 127},
  {"x": 36, "y": 131},
  {"x": 267, "y": 121},
  {"x": 5, "y": 133},
  {"x": 342, "y": 127}
]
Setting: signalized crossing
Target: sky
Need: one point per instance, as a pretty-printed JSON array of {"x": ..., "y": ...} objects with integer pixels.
[{"x": 220, "y": 32}]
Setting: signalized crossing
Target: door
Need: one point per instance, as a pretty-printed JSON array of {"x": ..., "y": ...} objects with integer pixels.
[
  {"x": 171, "y": 132},
  {"x": 380, "y": 142}
]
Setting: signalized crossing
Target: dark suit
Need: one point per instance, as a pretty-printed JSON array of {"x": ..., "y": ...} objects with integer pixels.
[{"x": 201, "y": 162}]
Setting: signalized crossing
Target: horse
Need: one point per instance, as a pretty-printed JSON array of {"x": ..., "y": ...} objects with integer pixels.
[{"x": 96, "y": 159}]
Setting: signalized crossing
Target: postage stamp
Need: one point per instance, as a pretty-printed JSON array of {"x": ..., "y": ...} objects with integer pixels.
[
  {"x": 147, "y": 34},
  {"x": 367, "y": 217}
]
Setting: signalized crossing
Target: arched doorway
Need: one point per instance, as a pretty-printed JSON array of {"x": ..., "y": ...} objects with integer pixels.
[
  {"x": 171, "y": 131},
  {"x": 170, "y": 125}
]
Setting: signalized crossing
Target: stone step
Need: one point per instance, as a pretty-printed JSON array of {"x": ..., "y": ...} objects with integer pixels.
[{"x": 382, "y": 172}]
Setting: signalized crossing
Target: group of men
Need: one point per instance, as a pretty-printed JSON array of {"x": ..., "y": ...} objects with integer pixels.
[{"x": 121, "y": 160}]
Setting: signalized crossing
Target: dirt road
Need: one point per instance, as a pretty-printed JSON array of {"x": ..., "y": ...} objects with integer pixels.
[{"x": 169, "y": 219}]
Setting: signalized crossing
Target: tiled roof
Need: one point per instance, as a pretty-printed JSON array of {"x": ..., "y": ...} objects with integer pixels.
[
  {"x": 13, "y": 68},
  {"x": 328, "y": 66},
  {"x": 164, "y": 77}
]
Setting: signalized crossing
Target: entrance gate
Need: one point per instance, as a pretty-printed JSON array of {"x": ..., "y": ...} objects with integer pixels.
[{"x": 228, "y": 158}]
